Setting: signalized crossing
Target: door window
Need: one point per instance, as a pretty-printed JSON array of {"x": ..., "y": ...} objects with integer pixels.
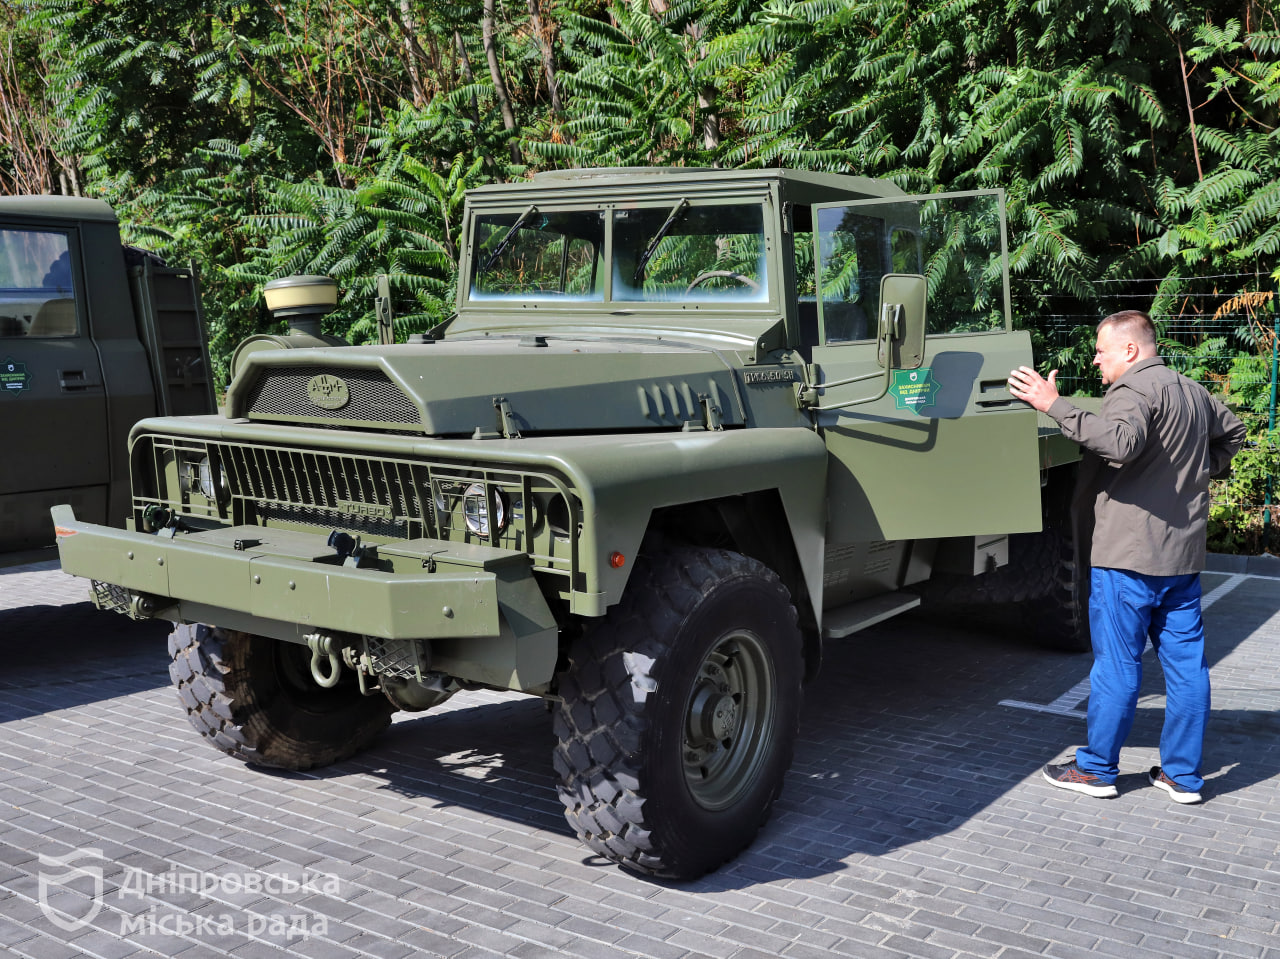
[
  {"x": 955, "y": 240},
  {"x": 37, "y": 296}
]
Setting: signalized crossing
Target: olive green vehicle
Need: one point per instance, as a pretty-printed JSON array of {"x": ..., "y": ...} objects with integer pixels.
[
  {"x": 93, "y": 337},
  {"x": 685, "y": 425}
]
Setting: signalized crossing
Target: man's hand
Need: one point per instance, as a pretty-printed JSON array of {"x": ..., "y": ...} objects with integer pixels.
[{"x": 1029, "y": 386}]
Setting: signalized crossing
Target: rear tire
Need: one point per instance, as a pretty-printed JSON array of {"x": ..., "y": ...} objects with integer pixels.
[
  {"x": 1059, "y": 616},
  {"x": 1042, "y": 592},
  {"x": 253, "y": 698},
  {"x": 679, "y": 713}
]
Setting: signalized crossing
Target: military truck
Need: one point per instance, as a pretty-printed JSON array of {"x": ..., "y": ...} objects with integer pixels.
[
  {"x": 94, "y": 336},
  {"x": 685, "y": 426}
]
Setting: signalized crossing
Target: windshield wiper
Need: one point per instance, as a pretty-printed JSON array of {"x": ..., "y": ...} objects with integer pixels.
[
  {"x": 506, "y": 237},
  {"x": 677, "y": 211}
]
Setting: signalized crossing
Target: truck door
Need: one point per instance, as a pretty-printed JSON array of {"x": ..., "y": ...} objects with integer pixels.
[
  {"x": 946, "y": 451},
  {"x": 53, "y": 407}
]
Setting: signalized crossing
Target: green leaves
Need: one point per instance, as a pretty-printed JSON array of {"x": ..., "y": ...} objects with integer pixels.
[{"x": 337, "y": 137}]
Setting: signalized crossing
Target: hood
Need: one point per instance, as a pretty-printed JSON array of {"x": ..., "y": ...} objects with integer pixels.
[{"x": 492, "y": 386}]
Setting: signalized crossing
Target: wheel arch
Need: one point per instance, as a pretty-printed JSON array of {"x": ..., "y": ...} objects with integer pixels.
[
  {"x": 631, "y": 485},
  {"x": 755, "y": 524}
]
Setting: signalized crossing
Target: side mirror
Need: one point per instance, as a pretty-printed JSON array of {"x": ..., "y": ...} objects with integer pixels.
[
  {"x": 899, "y": 341},
  {"x": 902, "y": 321}
]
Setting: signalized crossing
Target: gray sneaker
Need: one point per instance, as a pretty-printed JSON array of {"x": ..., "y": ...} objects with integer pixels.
[
  {"x": 1070, "y": 776},
  {"x": 1178, "y": 793}
]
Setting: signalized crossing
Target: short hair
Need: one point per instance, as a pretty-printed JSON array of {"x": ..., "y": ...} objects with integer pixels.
[{"x": 1134, "y": 324}]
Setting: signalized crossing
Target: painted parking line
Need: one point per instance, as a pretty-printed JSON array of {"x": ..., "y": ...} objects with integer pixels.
[{"x": 1069, "y": 703}]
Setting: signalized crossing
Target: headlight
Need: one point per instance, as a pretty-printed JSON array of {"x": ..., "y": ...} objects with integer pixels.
[
  {"x": 475, "y": 509},
  {"x": 214, "y": 492}
]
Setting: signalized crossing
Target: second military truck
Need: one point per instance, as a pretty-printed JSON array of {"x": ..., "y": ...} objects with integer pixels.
[{"x": 685, "y": 425}]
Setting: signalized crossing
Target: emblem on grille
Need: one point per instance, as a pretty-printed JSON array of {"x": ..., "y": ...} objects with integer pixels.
[
  {"x": 370, "y": 510},
  {"x": 328, "y": 392}
]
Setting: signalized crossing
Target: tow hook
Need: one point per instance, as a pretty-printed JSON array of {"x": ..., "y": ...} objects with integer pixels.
[{"x": 322, "y": 650}]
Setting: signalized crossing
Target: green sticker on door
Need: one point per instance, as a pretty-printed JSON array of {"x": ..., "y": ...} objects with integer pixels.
[
  {"x": 14, "y": 377},
  {"x": 914, "y": 390}
]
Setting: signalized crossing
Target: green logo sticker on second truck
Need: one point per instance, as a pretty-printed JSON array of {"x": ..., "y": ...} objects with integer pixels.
[
  {"x": 14, "y": 377},
  {"x": 914, "y": 390}
]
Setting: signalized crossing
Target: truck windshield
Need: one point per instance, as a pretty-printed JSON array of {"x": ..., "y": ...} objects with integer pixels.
[
  {"x": 550, "y": 255},
  {"x": 702, "y": 253},
  {"x": 664, "y": 253}
]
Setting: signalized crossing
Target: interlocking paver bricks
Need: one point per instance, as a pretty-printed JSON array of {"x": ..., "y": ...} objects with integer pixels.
[{"x": 913, "y": 822}]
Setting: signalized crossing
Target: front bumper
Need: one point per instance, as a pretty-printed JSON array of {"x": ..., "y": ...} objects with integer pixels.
[{"x": 471, "y": 601}]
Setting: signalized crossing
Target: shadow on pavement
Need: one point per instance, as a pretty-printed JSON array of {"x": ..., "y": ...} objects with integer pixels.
[
  {"x": 901, "y": 740},
  {"x": 902, "y": 737},
  {"x": 59, "y": 656}
]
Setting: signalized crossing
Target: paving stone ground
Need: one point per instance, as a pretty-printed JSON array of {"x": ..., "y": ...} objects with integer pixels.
[{"x": 914, "y": 821}]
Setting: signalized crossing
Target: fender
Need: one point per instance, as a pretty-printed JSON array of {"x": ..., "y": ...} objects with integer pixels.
[
  {"x": 620, "y": 478},
  {"x": 624, "y": 479}
]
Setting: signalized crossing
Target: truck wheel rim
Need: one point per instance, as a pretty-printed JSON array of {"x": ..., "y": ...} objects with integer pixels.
[{"x": 728, "y": 720}]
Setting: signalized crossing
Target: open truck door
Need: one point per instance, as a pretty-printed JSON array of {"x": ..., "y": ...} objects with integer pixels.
[{"x": 936, "y": 428}]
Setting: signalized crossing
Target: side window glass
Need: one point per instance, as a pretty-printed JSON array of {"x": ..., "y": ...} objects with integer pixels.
[
  {"x": 955, "y": 240},
  {"x": 806, "y": 284},
  {"x": 37, "y": 297},
  {"x": 849, "y": 272}
]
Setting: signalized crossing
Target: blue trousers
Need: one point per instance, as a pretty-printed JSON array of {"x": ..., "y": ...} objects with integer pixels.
[{"x": 1125, "y": 610}]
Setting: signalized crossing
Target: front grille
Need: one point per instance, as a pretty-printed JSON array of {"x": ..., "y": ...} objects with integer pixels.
[
  {"x": 281, "y": 394},
  {"x": 278, "y": 514},
  {"x": 377, "y": 498},
  {"x": 350, "y": 485}
]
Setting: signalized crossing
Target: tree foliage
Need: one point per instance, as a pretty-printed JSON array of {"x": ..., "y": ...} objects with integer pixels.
[{"x": 1136, "y": 139}]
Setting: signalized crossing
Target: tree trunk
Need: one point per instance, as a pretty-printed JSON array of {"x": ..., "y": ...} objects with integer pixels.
[
  {"x": 465, "y": 62},
  {"x": 543, "y": 38},
  {"x": 706, "y": 95},
  {"x": 413, "y": 54},
  {"x": 710, "y": 118},
  {"x": 499, "y": 85},
  {"x": 1191, "y": 111}
]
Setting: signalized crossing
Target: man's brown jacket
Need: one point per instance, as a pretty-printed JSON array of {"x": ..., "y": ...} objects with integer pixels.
[{"x": 1157, "y": 440}]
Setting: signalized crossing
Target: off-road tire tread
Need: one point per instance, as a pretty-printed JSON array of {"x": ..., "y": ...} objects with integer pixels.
[
  {"x": 600, "y": 722},
  {"x": 1036, "y": 593},
  {"x": 210, "y": 670}
]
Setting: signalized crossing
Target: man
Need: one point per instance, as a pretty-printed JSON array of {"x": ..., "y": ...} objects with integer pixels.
[{"x": 1156, "y": 442}]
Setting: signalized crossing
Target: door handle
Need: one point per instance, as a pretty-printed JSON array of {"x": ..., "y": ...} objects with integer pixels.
[
  {"x": 994, "y": 393},
  {"x": 74, "y": 381}
]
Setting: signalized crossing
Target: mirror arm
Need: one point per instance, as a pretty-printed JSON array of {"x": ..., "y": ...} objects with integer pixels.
[{"x": 808, "y": 395}]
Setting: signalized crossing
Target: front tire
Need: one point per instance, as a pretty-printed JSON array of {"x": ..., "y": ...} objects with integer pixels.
[
  {"x": 679, "y": 713},
  {"x": 253, "y": 698}
]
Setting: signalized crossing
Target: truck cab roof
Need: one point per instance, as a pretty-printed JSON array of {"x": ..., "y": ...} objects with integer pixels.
[{"x": 51, "y": 206}]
